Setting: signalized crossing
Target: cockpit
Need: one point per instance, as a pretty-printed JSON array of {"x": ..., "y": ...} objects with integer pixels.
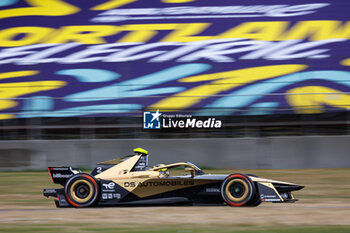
[{"x": 136, "y": 166}]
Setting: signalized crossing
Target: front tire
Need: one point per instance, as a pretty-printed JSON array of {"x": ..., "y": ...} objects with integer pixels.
[
  {"x": 237, "y": 190},
  {"x": 82, "y": 190}
]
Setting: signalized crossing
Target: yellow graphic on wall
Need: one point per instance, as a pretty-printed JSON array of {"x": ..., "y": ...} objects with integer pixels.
[
  {"x": 312, "y": 99},
  {"x": 10, "y": 91}
]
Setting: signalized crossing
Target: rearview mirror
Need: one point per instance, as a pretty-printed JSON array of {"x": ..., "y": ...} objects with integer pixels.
[{"x": 191, "y": 170}]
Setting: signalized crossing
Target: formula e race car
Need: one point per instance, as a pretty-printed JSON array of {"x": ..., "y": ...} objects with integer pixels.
[{"x": 128, "y": 181}]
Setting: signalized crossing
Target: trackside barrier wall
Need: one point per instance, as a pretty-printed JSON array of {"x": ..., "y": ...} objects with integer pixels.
[{"x": 242, "y": 153}]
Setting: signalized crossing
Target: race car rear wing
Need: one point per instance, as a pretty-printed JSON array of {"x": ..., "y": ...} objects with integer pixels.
[{"x": 60, "y": 175}]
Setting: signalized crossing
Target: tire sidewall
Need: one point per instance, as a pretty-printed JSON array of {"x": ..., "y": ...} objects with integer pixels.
[
  {"x": 244, "y": 178},
  {"x": 95, "y": 189}
]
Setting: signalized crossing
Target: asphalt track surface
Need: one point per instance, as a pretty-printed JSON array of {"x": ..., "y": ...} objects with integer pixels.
[{"x": 326, "y": 212}]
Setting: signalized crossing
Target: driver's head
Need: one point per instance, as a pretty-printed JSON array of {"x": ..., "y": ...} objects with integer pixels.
[{"x": 163, "y": 171}]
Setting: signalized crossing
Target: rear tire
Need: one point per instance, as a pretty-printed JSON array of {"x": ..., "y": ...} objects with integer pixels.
[
  {"x": 82, "y": 190},
  {"x": 238, "y": 190}
]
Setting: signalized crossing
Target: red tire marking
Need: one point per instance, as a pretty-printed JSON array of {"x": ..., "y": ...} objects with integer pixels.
[
  {"x": 71, "y": 202},
  {"x": 93, "y": 182},
  {"x": 91, "y": 179},
  {"x": 234, "y": 176},
  {"x": 238, "y": 175}
]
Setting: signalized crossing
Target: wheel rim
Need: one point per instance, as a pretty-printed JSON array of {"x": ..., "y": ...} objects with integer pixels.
[
  {"x": 81, "y": 191},
  {"x": 237, "y": 190}
]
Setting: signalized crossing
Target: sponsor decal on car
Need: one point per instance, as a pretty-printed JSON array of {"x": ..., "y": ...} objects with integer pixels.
[
  {"x": 159, "y": 183},
  {"x": 272, "y": 198},
  {"x": 60, "y": 169},
  {"x": 106, "y": 196},
  {"x": 212, "y": 190},
  {"x": 59, "y": 175},
  {"x": 110, "y": 185}
]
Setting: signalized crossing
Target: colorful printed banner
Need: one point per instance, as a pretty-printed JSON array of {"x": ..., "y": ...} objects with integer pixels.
[{"x": 63, "y": 58}]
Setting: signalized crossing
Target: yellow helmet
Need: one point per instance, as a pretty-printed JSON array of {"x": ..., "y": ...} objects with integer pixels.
[{"x": 140, "y": 151}]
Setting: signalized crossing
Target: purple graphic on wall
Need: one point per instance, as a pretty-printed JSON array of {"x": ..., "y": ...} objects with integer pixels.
[{"x": 63, "y": 58}]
